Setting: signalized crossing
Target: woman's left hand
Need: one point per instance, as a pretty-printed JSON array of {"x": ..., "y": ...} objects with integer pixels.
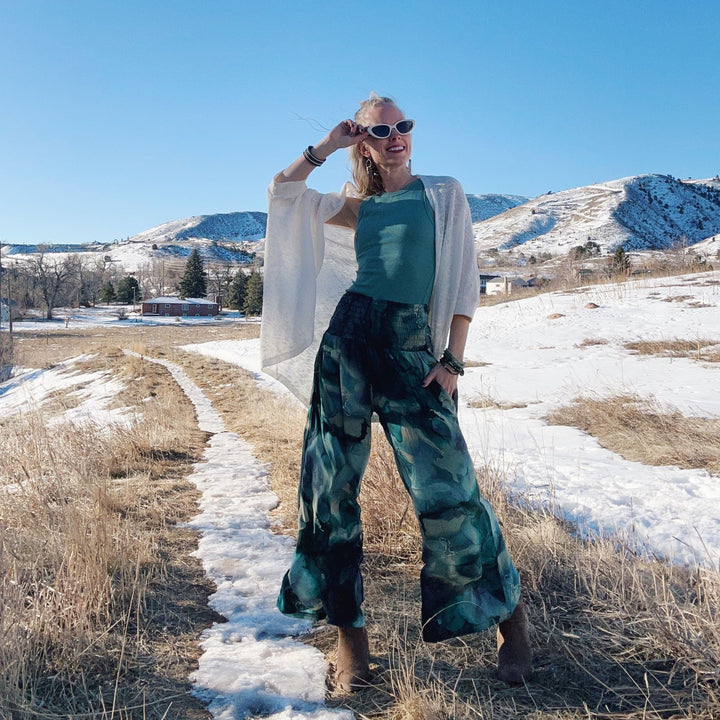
[{"x": 445, "y": 379}]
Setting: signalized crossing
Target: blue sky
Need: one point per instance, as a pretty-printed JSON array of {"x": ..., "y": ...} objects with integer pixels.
[{"x": 119, "y": 115}]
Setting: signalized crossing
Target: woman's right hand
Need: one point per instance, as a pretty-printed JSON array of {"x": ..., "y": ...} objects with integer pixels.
[{"x": 343, "y": 135}]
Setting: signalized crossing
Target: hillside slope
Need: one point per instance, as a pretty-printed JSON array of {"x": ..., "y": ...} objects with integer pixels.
[
  {"x": 483, "y": 207},
  {"x": 223, "y": 237},
  {"x": 644, "y": 212}
]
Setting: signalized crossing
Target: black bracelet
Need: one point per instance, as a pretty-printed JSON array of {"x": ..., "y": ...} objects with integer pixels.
[
  {"x": 452, "y": 364},
  {"x": 313, "y": 159},
  {"x": 448, "y": 367}
]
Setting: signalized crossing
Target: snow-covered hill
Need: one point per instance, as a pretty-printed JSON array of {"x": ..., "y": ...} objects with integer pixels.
[
  {"x": 483, "y": 207},
  {"x": 222, "y": 227},
  {"x": 709, "y": 248},
  {"x": 223, "y": 237},
  {"x": 644, "y": 212}
]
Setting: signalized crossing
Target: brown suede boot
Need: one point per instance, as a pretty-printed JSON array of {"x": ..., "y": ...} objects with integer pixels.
[
  {"x": 514, "y": 653},
  {"x": 352, "y": 669}
]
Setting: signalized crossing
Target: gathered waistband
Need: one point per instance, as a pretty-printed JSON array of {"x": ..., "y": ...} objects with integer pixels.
[{"x": 381, "y": 322}]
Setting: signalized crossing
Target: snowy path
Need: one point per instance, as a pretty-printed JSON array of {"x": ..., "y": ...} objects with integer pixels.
[{"x": 251, "y": 665}]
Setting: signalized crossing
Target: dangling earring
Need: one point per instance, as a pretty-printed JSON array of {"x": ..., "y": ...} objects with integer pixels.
[
  {"x": 369, "y": 165},
  {"x": 409, "y": 166}
]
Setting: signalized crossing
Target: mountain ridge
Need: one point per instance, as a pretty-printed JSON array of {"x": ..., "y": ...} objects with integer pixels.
[{"x": 639, "y": 212}]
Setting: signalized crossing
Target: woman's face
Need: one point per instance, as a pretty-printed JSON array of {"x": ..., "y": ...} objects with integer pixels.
[{"x": 390, "y": 151}]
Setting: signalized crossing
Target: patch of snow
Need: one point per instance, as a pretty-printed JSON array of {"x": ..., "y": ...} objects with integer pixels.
[
  {"x": 250, "y": 664},
  {"x": 31, "y": 389},
  {"x": 540, "y": 364}
]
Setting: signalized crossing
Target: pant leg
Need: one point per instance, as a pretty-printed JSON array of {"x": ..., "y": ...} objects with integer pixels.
[
  {"x": 324, "y": 580},
  {"x": 468, "y": 581}
]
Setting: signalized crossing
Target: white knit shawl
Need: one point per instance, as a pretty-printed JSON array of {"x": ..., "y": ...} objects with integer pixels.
[{"x": 309, "y": 265}]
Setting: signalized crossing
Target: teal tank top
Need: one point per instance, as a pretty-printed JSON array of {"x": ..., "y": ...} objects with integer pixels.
[{"x": 395, "y": 246}]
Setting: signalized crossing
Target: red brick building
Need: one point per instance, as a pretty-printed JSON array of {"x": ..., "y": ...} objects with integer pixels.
[{"x": 180, "y": 307}]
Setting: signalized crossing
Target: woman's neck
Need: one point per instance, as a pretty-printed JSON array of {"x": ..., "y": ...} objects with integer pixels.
[{"x": 396, "y": 179}]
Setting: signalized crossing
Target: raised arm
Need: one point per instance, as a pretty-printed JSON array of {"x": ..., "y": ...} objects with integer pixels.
[{"x": 343, "y": 135}]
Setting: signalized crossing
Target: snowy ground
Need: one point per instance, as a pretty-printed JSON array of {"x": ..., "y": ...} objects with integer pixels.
[
  {"x": 94, "y": 390},
  {"x": 118, "y": 316},
  {"x": 537, "y": 363},
  {"x": 251, "y": 665}
]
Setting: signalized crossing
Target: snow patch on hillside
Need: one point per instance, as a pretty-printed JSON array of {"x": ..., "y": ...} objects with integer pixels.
[
  {"x": 221, "y": 227},
  {"x": 646, "y": 212}
]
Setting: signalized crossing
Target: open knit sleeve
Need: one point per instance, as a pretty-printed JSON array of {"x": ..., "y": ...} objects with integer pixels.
[{"x": 308, "y": 265}]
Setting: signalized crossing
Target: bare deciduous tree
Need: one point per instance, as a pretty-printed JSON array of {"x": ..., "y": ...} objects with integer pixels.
[
  {"x": 219, "y": 279},
  {"x": 51, "y": 277}
]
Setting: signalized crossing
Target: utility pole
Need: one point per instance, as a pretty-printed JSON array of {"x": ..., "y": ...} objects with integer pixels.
[
  {"x": 1, "y": 274},
  {"x": 9, "y": 298}
]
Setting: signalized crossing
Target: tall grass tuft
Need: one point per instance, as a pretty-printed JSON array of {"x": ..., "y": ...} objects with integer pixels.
[
  {"x": 82, "y": 539},
  {"x": 644, "y": 430}
]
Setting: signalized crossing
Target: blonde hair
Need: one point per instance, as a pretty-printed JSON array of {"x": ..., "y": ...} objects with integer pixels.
[{"x": 365, "y": 174}]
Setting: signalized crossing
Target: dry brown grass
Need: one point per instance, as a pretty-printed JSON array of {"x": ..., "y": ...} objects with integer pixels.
[
  {"x": 483, "y": 400},
  {"x": 616, "y": 636},
  {"x": 645, "y": 431},
  {"x": 677, "y": 298},
  {"x": 517, "y": 294},
  {"x": 101, "y": 602},
  {"x": 591, "y": 342},
  {"x": 701, "y": 349},
  {"x": 470, "y": 363}
]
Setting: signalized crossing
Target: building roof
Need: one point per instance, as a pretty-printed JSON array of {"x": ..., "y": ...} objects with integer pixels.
[
  {"x": 500, "y": 280},
  {"x": 180, "y": 301}
]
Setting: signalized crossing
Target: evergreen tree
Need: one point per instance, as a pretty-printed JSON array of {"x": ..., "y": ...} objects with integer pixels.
[
  {"x": 253, "y": 294},
  {"x": 128, "y": 290},
  {"x": 236, "y": 292},
  {"x": 194, "y": 281},
  {"x": 107, "y": 293}
]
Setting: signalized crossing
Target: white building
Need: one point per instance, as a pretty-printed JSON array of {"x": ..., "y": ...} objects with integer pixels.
[{"x": 503, "y": 285}]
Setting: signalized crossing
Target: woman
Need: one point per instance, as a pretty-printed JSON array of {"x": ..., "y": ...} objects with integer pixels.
[{"x": 394, "y": 346}]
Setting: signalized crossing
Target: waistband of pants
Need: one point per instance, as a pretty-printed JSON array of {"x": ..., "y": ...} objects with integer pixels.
[{"x": 381, "y": 322}]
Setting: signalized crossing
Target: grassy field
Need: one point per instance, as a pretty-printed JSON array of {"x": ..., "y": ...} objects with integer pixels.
[{"x": 103, "y": 604}]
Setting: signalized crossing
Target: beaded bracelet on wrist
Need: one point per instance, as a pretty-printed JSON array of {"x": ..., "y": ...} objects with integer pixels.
[
  {"x": 452, "y": 364},
  {"x": 449, "y": 368},
  {"x": 310, "y": 156}
]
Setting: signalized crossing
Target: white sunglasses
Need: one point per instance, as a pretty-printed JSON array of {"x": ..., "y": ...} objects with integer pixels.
[{"x": 382, "y": 131}]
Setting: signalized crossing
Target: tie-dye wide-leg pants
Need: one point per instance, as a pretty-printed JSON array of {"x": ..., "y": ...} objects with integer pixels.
[{"x": 374, "y": 357}]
